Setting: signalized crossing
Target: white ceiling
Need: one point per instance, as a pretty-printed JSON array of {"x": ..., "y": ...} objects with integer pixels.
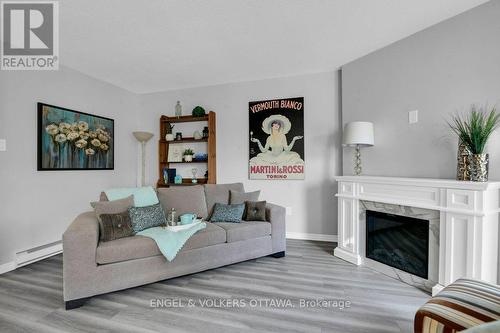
[{"x": 154, "y": 45}]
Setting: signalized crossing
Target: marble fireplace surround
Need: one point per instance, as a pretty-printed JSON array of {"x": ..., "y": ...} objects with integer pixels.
[
  {"x": 468, "y": 223},
  {"x": 425, "y": 214}
]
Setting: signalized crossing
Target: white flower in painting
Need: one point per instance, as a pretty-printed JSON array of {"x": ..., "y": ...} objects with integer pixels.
[
  {"x": 61, "y": 138},
  {"x": 83, "y": 125},
  {"x": 100, "y": 131},
  {"x": 92, "y": 134},
  {"x": 104, "y": 147},
  {"x": 81, "y": 144},
  {"x": 103, "y": 137},
  {"x": 89, "y": 151},
  {"x": 96, "y": 143},
  {"x": 64, "y": 128},
  {"x": 52, "y": 129},
  {"x": 84, "y": 135},
  {"x": 72, "y": 136},
  {"x": 74, "y": 127}
]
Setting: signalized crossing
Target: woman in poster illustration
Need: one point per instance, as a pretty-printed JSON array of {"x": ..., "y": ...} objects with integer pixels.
[{"x": 276, "y": 151}]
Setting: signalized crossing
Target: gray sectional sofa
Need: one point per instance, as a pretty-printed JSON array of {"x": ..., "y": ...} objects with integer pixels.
[{"x": 91, "y": 267}]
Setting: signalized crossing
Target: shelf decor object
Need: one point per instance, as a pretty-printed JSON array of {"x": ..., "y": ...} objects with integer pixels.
[
  {"x": 143, "y": 138},
  {"x": 358, "y": 134},
  {"x": 178, "y": 109},
  {"x": 198, "y": 111},
  {"x": 169, "y": 136},
  {"x": 463, "y": 166},
  {"x": 188, "y": 155},
  {"x": 474, "y": 130},
  {"x": 170, "y": 152},
  {"x": 194, "y": 171}
]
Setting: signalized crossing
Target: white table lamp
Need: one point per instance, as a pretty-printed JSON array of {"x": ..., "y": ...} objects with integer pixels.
[
  {"x": 143, "y": 137},
  {"x": 358, "y": 134}
]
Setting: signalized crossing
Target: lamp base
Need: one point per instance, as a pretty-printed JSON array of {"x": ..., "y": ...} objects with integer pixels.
[{"x": 357, "y": 161}]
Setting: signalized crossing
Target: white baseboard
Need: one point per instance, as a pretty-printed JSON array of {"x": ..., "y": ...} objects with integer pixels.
[
  {"x": 32, "y": 255},
  {"x": 38, "y": 253},
  {"x": 316, "y": 237},
  {"x": 7, "y": 267}
]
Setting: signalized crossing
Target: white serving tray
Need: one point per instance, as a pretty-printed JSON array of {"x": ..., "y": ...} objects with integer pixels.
[{"x": 184, "y": 226}]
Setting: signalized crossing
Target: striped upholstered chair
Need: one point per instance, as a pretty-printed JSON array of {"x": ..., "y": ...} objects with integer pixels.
[{"x": 461, "y": 305}]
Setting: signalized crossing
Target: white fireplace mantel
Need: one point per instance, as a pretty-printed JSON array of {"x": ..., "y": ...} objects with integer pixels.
[{"x": 469, "y": 218}]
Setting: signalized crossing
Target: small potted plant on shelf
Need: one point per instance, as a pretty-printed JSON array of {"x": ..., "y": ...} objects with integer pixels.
[
  {"x": 169, "y": 136},
  {"x": 473, "y": 132},
  {"x": 188, "y": 155}
]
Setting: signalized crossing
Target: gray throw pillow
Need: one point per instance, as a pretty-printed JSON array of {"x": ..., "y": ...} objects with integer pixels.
[
  {"x": 115, "y": 226},
  {"x": 241, "y": 197},
  {"x": 147, "y": 217},
  {"x": 112, "y": 207},
  {"x": 255, "y": 211},
  {"x": 227, "y": 213}
]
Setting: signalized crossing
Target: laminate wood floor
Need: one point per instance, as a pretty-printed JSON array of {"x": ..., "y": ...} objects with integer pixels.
[{"x": 262, "y": 295}]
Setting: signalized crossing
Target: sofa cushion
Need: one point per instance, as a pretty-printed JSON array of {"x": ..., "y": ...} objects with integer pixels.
[
  {"x": 185, "y": 199},
  {"x": 236, "y": 197},
  {"x": 219, "y": 193},
  {"x": 245, "y": 230},
  {"x": 137, "y": 247}
]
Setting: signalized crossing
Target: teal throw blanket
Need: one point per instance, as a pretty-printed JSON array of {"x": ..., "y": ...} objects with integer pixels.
[
  {"x": 143, "y": 196},
  {"x": 170, "y": 242}
]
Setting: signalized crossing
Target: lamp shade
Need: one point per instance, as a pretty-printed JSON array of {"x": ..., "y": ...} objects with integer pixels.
[
  {"x": 143, "y": 136},
  {"x": 358, "y": 133}
]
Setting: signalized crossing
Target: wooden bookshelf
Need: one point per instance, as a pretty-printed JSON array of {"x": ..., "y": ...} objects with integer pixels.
[
  {"x": 186, "y": 140},
  {"x": 163, "y": 147},
  {"x": 185, "y": 119},
  {"x": 185, "y": 182}
]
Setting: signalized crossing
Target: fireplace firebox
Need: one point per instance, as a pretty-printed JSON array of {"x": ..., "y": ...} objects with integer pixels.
[{"x": 398, "y": 241}]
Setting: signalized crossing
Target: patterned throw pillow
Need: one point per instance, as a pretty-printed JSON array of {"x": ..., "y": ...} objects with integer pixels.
[
  {"x": 115, "y": 226},
  {"x": 146, "y": 217},
  {"x": 227, "y": 213},
  {"x": 255, "y": 211}
]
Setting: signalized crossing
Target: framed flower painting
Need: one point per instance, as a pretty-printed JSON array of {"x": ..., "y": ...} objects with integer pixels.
[{"x": 73, "y": 140}]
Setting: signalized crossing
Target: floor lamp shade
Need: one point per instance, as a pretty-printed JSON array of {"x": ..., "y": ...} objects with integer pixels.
[
  {"x": 143, "y": 137},
  {"x": 358, "y": 133}
]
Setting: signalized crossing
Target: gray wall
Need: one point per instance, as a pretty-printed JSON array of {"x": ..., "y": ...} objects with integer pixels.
[
  {"x": 36, "y": 207},
  {"x": 314, "y": 207},
  {"x": 437, "y": 71}
]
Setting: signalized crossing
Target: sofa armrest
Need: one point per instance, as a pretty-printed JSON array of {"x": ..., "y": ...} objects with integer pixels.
[
  {"x": 79, "y": 254},
  {"x": 276, "y": 216}
]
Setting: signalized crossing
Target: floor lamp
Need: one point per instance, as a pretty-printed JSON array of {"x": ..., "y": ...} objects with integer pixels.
[{"x": 143, "y": 137}]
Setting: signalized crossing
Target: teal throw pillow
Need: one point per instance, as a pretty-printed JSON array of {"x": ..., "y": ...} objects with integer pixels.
[
  {"x": 228, "y": 213},
  {"x": 146, "y": 217}
]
